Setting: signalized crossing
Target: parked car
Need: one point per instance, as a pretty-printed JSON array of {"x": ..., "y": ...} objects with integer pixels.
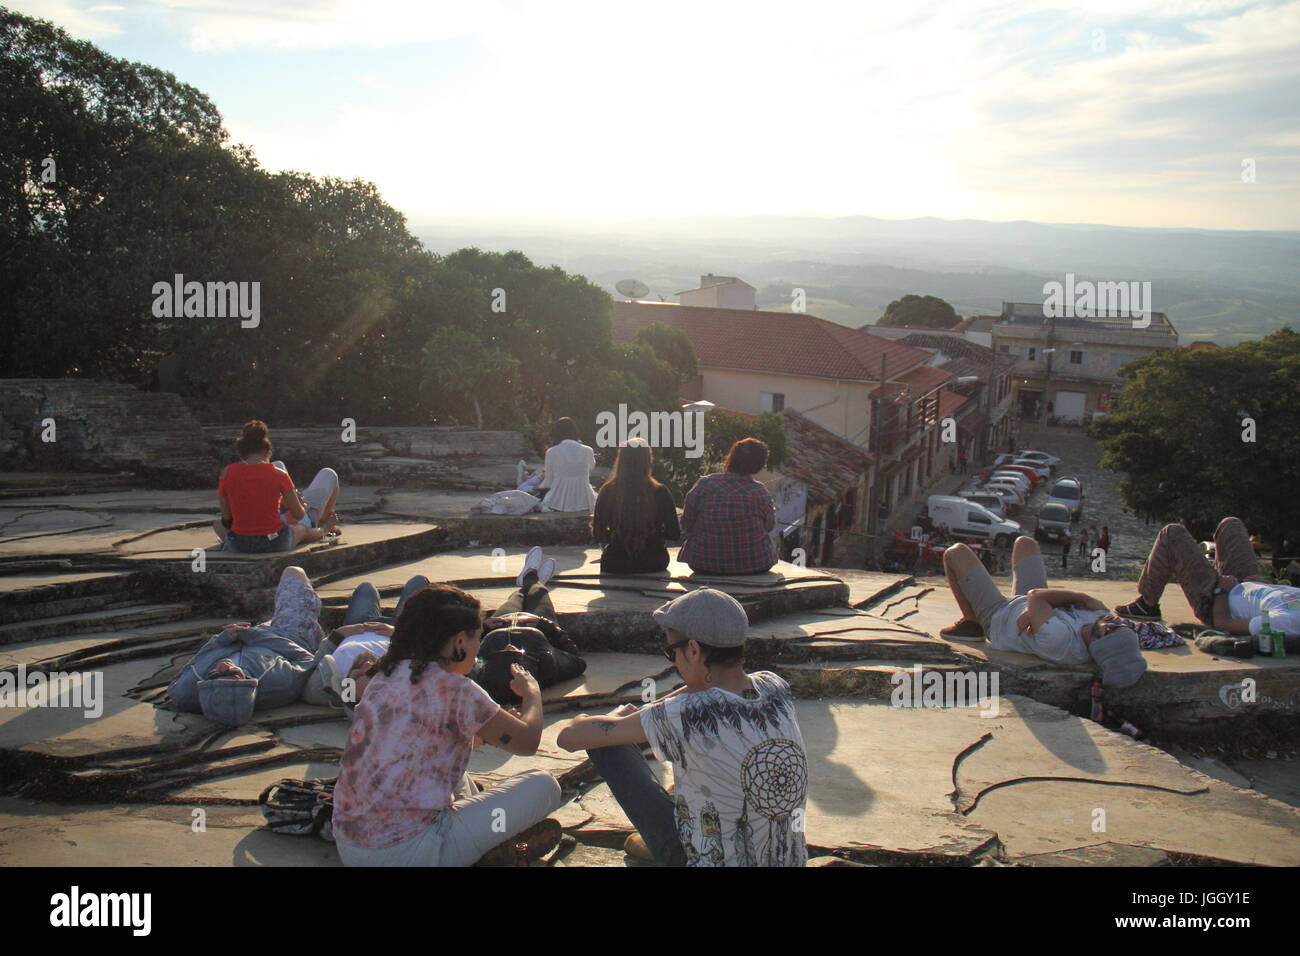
[
  {"x": 988, "y": 499},
  {"x": 1012, "y": 497},
  {"x": 1069, "y": 492},
  {"x": 1041, "y": 468},
  {"x": 965, "y": 519},
  {"x": 1016, "y": 478},
  {"x": 1053, "y": 522},
  {"x": 1028, "y": 472},
  {"x": 1051, "y": 460},
  {"x": 1012, "y": 493}
]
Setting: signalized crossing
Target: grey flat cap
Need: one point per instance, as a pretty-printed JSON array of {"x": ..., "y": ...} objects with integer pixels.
[
  {"x": 1119, "y": 656},
  {"x": 708, "y": 616}
]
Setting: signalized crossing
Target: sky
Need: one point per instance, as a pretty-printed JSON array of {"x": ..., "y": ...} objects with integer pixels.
[{"x": 1169, "y": 113}]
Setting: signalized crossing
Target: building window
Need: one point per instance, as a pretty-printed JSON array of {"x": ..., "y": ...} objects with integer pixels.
[
  {"x": 1076, "y": 358},
  {"x": 1004, "y": 349},
  {"x": 1031, "y": 353},
  {"x": 771, "y": 401}
]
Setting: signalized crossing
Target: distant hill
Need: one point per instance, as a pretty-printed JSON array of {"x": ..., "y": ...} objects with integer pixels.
[{"x": 1224, "y": 286}]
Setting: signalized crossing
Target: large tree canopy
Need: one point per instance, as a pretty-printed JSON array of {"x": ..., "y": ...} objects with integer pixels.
[
  {"x": 115, "y": 176},
  {"x": 1179, "y": 430},
  {"x": 919, "y": 312}
]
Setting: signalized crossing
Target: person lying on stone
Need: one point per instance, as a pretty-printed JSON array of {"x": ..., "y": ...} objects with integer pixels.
[
  {"x": 739, "y": 766},
  {"x": 1058, "y": 625},
  {"x": 1229, "y": 595},
  {"x": 511, "y": 635},
  {"x": 403, "y": 796},
  {"x": 261, "y": 510},
  {"x": 255, "y": 667},
  {"x": 361, "y": 640}
]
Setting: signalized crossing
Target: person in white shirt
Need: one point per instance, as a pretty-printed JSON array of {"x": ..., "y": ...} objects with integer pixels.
[
  {"x": 740, "y": 770},
  {"x": 1229, "y": 594},
  {"x": 1058, "y": 625},
  {"x": 567, "y": 474}
]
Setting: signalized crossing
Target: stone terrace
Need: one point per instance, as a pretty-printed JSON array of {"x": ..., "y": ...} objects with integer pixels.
[{"x": 104, "y": 578}]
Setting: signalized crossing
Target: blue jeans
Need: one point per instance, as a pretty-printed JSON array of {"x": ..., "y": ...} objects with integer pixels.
[
  {"x": 646, "y": 803},
  {"x": 364, "y": 606}
]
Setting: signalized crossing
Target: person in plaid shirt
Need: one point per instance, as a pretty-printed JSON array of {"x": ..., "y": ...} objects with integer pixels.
[{"x": 727, "y": 517}]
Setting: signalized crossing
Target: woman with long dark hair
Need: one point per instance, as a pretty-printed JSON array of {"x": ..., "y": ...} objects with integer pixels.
[
  {"x": 727, "y": 517},
  {"x": 634, "y": 515},
  {"x": 255, "y": 490},
  {"x": 403, "y": 797}
]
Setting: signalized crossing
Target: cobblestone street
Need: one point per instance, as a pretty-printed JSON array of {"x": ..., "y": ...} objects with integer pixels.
[{"x": 1130, "y": 536}]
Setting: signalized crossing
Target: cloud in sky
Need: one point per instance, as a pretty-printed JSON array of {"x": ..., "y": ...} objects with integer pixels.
[{"x": 1131, "y": 112}]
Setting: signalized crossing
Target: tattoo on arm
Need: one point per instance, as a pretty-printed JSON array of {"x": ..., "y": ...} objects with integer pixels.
[
  {"x": 505, "y": 739},
  {"x": 605, "y": 727}
]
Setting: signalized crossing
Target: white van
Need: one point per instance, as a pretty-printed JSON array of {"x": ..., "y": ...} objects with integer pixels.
[{"x": 966, "y": 519}]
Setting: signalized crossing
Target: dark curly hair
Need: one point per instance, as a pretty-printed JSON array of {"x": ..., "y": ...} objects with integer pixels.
[
  {"x": 430, "y": 618},
  {"x": 747, "y": 456}
]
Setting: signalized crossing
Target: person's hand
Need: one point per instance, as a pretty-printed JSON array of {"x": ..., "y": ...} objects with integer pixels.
[
  {"x": 1227, "y": 582},
  {"x": 625, "y": 711},
  {"x": 1092, "y": 604},
  {"x": 237, "y": 628},
  {"x": 523, "y": 683},
  {"x": 1024, "y": 623}
]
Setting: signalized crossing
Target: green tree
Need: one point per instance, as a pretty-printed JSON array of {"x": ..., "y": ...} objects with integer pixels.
[
  {"x": 919, "y": 312},
  {"x": 460, "y": 370},
  {"x": 672, "y": 346},
  {"x": 1178, "y": 433}
]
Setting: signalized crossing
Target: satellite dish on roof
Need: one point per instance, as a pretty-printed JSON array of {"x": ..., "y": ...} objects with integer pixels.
[{"x": 632, "y": 288}]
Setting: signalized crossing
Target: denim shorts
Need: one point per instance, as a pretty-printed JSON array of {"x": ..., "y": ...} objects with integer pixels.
[{"x": 260, "y": 543}]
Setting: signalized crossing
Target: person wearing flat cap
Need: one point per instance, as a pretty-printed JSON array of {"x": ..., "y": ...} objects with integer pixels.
[{"x": 740, "y": 770}]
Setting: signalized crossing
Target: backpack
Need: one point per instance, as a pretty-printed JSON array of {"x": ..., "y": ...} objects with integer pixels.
[{"x": 300, "y": 807}]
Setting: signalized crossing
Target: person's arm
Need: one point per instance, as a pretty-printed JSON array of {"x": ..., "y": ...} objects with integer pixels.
[
  {"x": 598, "y": 518},
  {"x": 227, "y": 516},
  {"x": 519, "y": 735},
  {"x": 548, "y": 469},
  {"x": 690, "y": 509},
  {"x": 766, "y": 508},
  {"x": 668, "y": 515},
  {"x": 1042, "y": 601},
  {"x": 586, "y": 732}
]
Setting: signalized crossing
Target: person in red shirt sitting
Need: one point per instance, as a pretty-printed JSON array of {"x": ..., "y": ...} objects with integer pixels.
[{"x": 254, "y": 490}]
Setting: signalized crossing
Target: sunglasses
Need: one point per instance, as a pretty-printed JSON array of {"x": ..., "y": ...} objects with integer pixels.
[{"x": 670, "y": 651}]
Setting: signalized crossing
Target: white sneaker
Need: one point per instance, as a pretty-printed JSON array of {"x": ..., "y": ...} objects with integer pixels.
[
  {"x": 546, "y": 571},
  {"x": 531, "y": 563}
]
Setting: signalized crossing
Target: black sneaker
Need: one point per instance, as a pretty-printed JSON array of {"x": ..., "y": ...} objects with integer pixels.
[{"x": 1140, "y": 610}]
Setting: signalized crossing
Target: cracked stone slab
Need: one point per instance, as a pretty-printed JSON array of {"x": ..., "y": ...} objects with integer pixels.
[
  {"x": 142, "y": 835},
  {"x": 124, "y": 723},
  {"x": 1146, "y": 796},
  {"x": 610, "y": 672}
]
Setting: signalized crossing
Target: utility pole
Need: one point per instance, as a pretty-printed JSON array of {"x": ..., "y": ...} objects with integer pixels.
[{"x": 1047, "y": 384}]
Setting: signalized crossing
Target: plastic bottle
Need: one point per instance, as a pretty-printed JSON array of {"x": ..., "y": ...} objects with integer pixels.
[{"x": 1098, "y": 693}]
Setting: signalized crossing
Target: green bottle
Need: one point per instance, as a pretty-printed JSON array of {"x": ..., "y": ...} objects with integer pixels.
[
  {"x": 1279, "y": 643},
  {"x": 1265, "y": 637}
]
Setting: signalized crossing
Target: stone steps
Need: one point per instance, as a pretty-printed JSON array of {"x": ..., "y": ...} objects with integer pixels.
[{"x": 131, "y": 616}]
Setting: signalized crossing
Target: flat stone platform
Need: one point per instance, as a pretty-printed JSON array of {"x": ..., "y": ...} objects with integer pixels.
[{"x": 104, "y": 581}]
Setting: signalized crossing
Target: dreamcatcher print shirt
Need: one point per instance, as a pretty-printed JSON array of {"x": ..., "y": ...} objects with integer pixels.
[{"x": 740, "y": 773}]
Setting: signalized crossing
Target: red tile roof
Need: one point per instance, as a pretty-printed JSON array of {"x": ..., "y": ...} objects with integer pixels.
[{"x": 779, "y": 342}]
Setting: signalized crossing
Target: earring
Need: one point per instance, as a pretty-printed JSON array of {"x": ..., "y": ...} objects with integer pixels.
[{"x": 458, "y": 655}]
